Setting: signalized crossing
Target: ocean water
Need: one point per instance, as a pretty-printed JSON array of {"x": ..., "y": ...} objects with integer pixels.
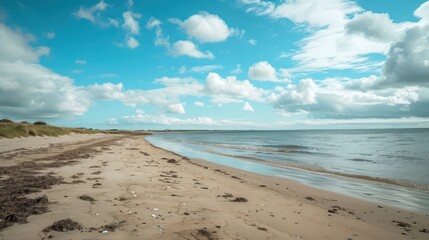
[{"x": 387, "y": 166}]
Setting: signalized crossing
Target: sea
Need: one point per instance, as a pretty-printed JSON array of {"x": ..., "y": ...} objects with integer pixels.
[{"x": 386, "y": 166}]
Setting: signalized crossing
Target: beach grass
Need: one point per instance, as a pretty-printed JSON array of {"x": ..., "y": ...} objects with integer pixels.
[{"x": 13, "y": 130}]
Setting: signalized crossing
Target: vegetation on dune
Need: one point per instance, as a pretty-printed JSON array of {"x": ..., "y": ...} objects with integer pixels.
[{"x": 9, "y": 129}]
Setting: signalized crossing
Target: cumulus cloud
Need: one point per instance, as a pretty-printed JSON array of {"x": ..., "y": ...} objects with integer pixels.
[
  {"x": 247, "y": 107},
  {"x": 205, "y": 27},
  {"x": 231, "y": 88},
  {"x": 188, "y": 48},
  {"x": 423, "y": 12},
  {"x": 179, "y": 48},
  {"x": 408, "y": 59},
  {"x": 264, "y": 71},
  {"x": 331, "y": 98},
  {"x": 28, "y": 89},
  {"x": 15, "y": 47},
  {"x": 176, "y": 108},
  {"x": 373, "y": 25}
]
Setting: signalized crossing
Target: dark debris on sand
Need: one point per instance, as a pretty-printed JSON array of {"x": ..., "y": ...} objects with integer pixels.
[
  {"x": 111, "y": 226},
  {"x": 172, "y": 161},
  {"x": 15, "y": 207},
  {"x": 64, "y": 226},
  {"x": 205, "y": 233},
  {"x": 239, "y": 199},
  {"x": 27, "y": 178},
  {"x": 87, "y": 198}
]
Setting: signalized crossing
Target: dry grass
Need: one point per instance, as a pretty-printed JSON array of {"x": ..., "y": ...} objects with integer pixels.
[{"x": 13, "y": 130}]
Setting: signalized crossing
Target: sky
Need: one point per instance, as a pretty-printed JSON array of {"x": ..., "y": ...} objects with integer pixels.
[{"x": 215, "y": 64}]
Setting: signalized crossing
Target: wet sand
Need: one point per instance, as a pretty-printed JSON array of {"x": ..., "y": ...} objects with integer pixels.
[{"x": 121, "y": 187}]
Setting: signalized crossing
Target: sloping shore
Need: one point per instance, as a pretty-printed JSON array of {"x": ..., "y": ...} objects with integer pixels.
[{"x": 121, "y": 187}]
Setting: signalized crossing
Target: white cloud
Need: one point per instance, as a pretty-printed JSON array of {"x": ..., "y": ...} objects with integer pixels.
[
  {"x": 262, "y": 71},
  {"x": 50, "y": 35},
  {"x": 284, "y": 74},
  {"x": 106, "y": 91},
  {"x": 205, "y": 68},
  {"x": 237, "y": 70},
  {"x": 176, "y": 108},
  {"x": 423, "y": 11},
  {"x": 14, "y": 47},
  {"x": 252, "y": 42},
  {"x": 188, "y": 48},
  {"x": 77, "y": 71},
  {"x": 313, "y": 12},
  {"x": 141, "y": 117},
  {"x": 92, "y": 14},
  {"x": 373, "y": 25},
  {"x": 199, "y": 103},
  {"x": 132, "y": 43},
  {"x": 247, "y": 107},
  {"x": 205, "y": 27},
  {"x": 152, "y": 23},
  {"x": 80, "y": 61},
  {"x": 231, "y": 88},
  {"x": 332, "y": 99},
  {"x": 28, "y": 89},
  {"x": 179, "y": 48},
  {"x": 130, "y": 23},
  {"x": 160, "y": 40},
  {"x": 329, "y": 45},
  {"x": 407, "y": 62}
]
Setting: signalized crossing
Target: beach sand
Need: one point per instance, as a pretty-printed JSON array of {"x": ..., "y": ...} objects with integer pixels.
[{"x": 122, "y": 187}]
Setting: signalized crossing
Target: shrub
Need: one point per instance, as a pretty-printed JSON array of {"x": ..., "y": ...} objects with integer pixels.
[
  {"x": 40, "y": 123},
  {"x": 6, "y": 120}
]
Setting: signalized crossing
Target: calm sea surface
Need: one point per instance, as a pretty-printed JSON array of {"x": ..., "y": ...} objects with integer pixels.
[{"x": 389, "y": 166}]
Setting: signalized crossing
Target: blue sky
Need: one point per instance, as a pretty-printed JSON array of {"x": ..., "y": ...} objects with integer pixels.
[{"x": 243, "y": 64}]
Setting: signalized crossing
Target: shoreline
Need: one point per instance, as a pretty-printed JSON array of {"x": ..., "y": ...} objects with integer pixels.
[
  {"x": 406, "y": 195},
  {"x": 162, "y": 195}
]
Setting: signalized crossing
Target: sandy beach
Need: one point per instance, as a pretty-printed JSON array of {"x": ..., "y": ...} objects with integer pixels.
[{"x": 111, "y": 186}]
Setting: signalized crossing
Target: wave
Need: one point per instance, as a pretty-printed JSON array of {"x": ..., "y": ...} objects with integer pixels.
[
  {"x": 321, "y": 170},
  {"x": 361, "y": 160}
]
